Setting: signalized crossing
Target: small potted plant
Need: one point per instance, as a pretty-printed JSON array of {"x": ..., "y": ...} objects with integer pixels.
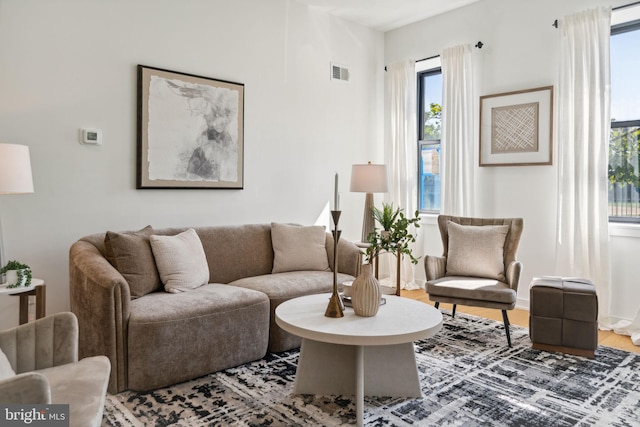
[
  {"x": 394, "y": 237},
  {"x": 18, "y": 274}
]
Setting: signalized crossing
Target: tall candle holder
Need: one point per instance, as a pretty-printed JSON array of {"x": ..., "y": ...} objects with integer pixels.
[{"x": 335, "y": 307}]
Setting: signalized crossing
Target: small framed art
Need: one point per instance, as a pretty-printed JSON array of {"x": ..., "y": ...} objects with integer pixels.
[
  {"x": 516, "y": 128},
  {"x": 190, "y": 131}
]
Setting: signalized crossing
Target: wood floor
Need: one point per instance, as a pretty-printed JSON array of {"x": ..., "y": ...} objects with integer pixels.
[{"x": 521, "y": 318}]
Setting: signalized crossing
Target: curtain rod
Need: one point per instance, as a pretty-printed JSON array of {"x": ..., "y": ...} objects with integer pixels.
[
  {"x": 624, "y": 6},
  {"x": 478, "y": 45}
]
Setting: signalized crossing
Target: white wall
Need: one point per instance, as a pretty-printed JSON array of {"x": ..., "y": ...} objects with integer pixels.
[
  {"x": 521, "y": 51},
  {"x": 68, "y": 64}
]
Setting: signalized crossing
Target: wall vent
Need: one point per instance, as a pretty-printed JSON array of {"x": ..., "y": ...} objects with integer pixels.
[{"x": 339, "y": 72}]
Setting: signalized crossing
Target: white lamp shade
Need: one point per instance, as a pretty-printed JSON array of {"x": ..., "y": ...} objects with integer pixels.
[
  {"x": 15, "y": 169},
  {"x": 369, "y": 178}
]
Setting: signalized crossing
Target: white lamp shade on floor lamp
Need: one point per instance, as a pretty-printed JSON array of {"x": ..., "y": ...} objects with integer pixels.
[
  {"x": 15, "y": 176},
  {"x": 368, "y": 179},
  {"x": 15, "y": 169}
]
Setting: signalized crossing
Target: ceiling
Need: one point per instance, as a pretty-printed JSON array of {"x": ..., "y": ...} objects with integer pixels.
[{"x": 385, "y": 15}]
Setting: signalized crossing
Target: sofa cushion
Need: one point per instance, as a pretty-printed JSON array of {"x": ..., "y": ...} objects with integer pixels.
[
  {"x": 130, "y": 254},
  {"x": 6, "y": 371},
  {"x": 476, "y": 251},
  {"x": 297, "y": 248},
  {"x": 181, "y": 261},
  {"x": 460, "y": 287},
  {"x": 189, "y": 334}
]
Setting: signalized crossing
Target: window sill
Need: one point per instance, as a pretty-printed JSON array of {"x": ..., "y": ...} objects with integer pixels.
[{"x": 621, "y": 229}]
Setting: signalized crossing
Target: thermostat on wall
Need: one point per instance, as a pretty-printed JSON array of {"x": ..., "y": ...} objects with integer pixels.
[{"x": 91, "y": 136}]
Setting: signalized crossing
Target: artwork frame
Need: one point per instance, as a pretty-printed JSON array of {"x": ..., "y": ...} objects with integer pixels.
[
  {"x": 516, "y": 128},
  {"x": 190, "y": 131}
]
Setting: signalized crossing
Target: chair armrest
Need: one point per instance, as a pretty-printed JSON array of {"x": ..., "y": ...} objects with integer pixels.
[
  {"x": 514, "y": 270},
  {"x": 435, "y": 267},
  {"x": 30, "y": 387},
  {"x": 100, "y": 297},
  {"x": 44, "y": 343}
]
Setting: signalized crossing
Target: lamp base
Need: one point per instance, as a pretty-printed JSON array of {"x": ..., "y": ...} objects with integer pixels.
[{"x": 368, "y": 221}]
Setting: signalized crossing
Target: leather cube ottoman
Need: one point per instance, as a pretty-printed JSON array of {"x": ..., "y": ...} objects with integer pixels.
[{"x": 564, "y": 315}]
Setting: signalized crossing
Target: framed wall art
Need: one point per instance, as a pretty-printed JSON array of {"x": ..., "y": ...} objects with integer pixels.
[
  {"x": 516, "y": 128},
  {"x": 190, "y": 131}
]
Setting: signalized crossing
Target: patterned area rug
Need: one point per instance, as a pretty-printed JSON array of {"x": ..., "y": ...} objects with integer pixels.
[{"x": 469, "y": 377}]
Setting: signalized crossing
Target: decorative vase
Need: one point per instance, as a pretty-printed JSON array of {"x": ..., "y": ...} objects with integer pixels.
[
  {"x": 366, "y": 293},
  {"x": 12, "y": 279}
]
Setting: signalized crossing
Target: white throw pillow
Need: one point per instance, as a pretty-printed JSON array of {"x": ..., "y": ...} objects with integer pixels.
[
  {"x": 6, "y": 371},
  {"x": 298, "y": 248},
  {"x": 476, "y": 251},
  {"x": 181, "y": 261}
]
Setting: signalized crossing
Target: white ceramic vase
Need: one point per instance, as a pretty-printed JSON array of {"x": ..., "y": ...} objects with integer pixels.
[
  {"x": 12, "y": 278},
  {"x": 366, "y": 293}
]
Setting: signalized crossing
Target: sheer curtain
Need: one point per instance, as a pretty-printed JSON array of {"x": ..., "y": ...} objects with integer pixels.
[
  {"x": 457, "y": 130},
  {"x": 582, "y": 245},
  {"x": 400, "y": 155}
]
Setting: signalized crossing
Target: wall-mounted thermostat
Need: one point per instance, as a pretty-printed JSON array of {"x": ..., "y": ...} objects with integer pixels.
[{"x": 91, "y": 136}]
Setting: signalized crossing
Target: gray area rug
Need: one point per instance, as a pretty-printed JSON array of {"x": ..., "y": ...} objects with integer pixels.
[{"x": 468, "y": 374}]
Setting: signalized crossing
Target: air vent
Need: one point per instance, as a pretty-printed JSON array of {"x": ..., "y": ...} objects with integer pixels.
[{"x": 339, "y": 72}]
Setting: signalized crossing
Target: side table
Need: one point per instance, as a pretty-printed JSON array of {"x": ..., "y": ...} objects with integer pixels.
[{"x": 37, "y": 288}]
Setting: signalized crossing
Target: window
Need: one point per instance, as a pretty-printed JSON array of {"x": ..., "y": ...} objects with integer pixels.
[
  {"x": 624, "y": 139},
  {"x": 429, "y": 134}
]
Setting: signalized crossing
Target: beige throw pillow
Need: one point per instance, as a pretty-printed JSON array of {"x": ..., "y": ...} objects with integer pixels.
[
  {"x": 476, "y": 251},
  {"x": 298, "y": 248},
  {"x": 130, "y": 254},
  {"x": 181, "y": 261},
  {"x": 6, "y": 371}
]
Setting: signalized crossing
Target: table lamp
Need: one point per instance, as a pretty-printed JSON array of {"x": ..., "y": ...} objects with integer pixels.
[
  {"x": 368, "y": 179},
  {"x": 15, "y": 176}
]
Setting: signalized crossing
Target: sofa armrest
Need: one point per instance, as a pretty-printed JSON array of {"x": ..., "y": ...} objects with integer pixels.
[
  {"x": 514, "y": 270},
  {"x": 44, "y": 343},
  {"x": 435, "y": 267},
  {"x": 30, "y": 387},
  {"x": 100, "y": 296},
  {"x": 349, "y": 256}
]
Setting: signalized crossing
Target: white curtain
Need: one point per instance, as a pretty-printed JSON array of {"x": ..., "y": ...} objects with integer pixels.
[
  {"x": 457, "y": 130},
  {"x": 400, "y": 155},
  {"x": 582, "y": 246}
]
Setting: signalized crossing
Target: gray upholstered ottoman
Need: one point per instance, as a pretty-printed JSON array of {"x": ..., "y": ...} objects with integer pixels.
[{"x": 564, "y": 315}]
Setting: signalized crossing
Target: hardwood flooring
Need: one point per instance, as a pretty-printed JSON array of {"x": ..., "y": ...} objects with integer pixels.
[{"x": 521, "y": 318}]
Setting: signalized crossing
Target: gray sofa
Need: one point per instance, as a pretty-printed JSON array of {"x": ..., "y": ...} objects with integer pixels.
[{"x": 159, "y": 338}]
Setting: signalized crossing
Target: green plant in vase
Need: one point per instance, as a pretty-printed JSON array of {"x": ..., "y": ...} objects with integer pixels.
[
  {"x": 23, "y": 273},
  {"x": 395, "y": 235}
]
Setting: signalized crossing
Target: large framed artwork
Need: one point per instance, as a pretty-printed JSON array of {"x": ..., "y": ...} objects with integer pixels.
[
  {"x": 516, "y": 128},
  {"x": 190, "y": 131}
]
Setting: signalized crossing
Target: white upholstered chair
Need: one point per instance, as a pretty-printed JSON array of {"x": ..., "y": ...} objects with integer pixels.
[{"x": 478, "y": 266}]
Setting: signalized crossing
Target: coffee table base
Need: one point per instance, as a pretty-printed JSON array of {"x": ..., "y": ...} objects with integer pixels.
[{"x": 385, "y": 370}]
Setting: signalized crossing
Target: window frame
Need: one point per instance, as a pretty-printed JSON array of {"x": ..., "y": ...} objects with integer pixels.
[
  {"x": 621, "y": 28},
  {"x": 420, "y": 74}
]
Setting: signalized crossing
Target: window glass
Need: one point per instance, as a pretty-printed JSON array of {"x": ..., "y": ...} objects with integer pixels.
[
  {"x": 624, "y": 140},
  {"x": 429, "y": 134}
]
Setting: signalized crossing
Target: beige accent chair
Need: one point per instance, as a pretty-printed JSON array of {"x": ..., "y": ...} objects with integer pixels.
[
  {"x": 478, "y": 266},
  {"x": 39, "y": 365}
]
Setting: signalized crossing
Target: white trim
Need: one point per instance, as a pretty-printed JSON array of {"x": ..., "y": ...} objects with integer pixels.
[{"x": 624, "y": 229}]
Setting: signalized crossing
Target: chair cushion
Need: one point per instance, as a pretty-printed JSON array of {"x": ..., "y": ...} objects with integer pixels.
[
  {"x": 82, "y": 385},
  {"x": 6, "y": 371},
  {"x": 476, "y": 251},
  {"x": 297, "y": 248},
  {"x": 130, "y": 254},
  {"x": 469, "y": 288},
  {"x": 181, "y": 261}
]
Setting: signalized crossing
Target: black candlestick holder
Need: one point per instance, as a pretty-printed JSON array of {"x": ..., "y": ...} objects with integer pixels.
[{"x": 335, "y": 307}]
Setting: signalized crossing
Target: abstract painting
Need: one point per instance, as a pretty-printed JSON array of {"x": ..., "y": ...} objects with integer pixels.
[
  {"x": 190, "y": 131},
  {"x": 516, "y": 128}
]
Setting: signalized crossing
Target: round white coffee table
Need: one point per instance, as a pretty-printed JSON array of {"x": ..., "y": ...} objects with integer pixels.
[{"x": 355, "y": 355}]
